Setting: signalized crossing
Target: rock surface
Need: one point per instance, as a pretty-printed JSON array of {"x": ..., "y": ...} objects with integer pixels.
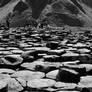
[
  {"x": 53, "y": 12},
  {"x": 32, "y": 65}
]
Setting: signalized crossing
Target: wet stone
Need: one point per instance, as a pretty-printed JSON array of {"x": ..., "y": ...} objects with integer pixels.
[
  {"x": 52, "y": 58},
  {"x": 71, "y": 62},
  {"x": 28, "y": 53},
  {"x": 3, "y": 86},
  {"x": 49, "y": 89},
  {"x": 45, "y": 60},
  {"x": 11, "y": 48},
  {"x": 43, "y": 83},
  {"x": 56, "y": 52},
  {"x": 72, "y": 49},
  {"x": 52, "y": 45},
  {"x": 84, "y": 51},
  {"x": 28, "y": 75},
  {"x": 85, "y": 82},
  {"x": 1, "y": 49},
  {"x": 22, "y": 82},
  {"x": 88, "y": 68},
  {"x": 85, "y": 59},
  {"x": 17, "y": 51},
  {"x": 13, "y": 84},
  {"x": 33, "y": 65},
  {"x": 12, "y": 60},
  {"x": 4, "y": 76},
  {"x": 70, "y": 56},
  {"x": 65, "y": 85},
  {"x": 68, "y": 76},
  {"x": 6, "y": 53},
  {"x": 6, "y": 71},
  {"x": 78, "y": 68},
  {"x": 79, "y": 45},
  {"x": 52, "y": 74}
]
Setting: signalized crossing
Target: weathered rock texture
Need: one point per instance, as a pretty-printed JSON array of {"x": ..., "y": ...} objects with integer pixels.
[{"x": 55, "y": 12}]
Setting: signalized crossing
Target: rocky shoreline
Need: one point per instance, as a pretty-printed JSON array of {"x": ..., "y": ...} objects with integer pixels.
[{"x": 45, "y": 60}]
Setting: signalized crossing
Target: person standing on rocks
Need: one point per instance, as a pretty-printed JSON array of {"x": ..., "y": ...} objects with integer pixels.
[{"x": 8, "y": 18}]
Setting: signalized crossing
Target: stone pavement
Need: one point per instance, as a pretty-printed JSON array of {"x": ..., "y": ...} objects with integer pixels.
[{"x": 45, "y": 60}]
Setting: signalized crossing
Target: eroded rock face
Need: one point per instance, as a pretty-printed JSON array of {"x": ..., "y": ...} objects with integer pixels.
[
  {"x": 37, "y": 7},
  {"x": 55, "y": 12},
  {"x": 69, "y": 12},
  {"x": 4, "y": 2}
]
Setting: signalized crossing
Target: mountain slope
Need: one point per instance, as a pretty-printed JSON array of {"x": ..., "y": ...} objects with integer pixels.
[
  {"x": 4, "y": 11},
  {"x": 69, "y": 12},
  {"x": 55, "y": 12}
]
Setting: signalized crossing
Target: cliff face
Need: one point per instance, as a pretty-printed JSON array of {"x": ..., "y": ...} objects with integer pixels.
[
  {"x": 56, "y": 12},
  {"x": 37, "y": 6},
  {"x": 4, "y": 2},
  {"x": 69, "y": 12}
]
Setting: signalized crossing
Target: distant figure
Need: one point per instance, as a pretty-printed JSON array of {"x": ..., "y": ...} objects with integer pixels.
[
  {"x": 8, "y": 18},
  {"x": 7, "y": 23}
]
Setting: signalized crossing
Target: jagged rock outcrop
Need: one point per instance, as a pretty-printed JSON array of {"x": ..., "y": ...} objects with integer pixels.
[
  {"x": 4, "y": 2},
  {"x": 55, "y": 12},
  {"x": 68, "y": 12}
]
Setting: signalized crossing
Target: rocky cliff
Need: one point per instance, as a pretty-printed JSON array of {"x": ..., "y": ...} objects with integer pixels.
[{"x": 55, "y": 12}]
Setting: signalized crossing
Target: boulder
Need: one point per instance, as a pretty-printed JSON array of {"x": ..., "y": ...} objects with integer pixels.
[
  {"x": 12, "y": 60},
  {"x": 85, "y": 59},
  {"x": 28, "y": 75},
  {"x": 79, "y": 68},
  {"x": 43, "y": 83},
  {"x": 3, "y": 86},
  {"x": 68, "y": 76},
  {"x": 6, "y": 71},
  {"x": 52, "y": 45},
  {"x": 52, "y": 58},
  {"x": 17, "y": 51},
  {"x": 70, "y": 56},
  {"x": 13, "y": 84},
  {"x": 65, "y": 85},
  {"x": 52, "y": 74},
  {"x": 33, "y": 65},
  {"x": 85, "y": 82}
]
